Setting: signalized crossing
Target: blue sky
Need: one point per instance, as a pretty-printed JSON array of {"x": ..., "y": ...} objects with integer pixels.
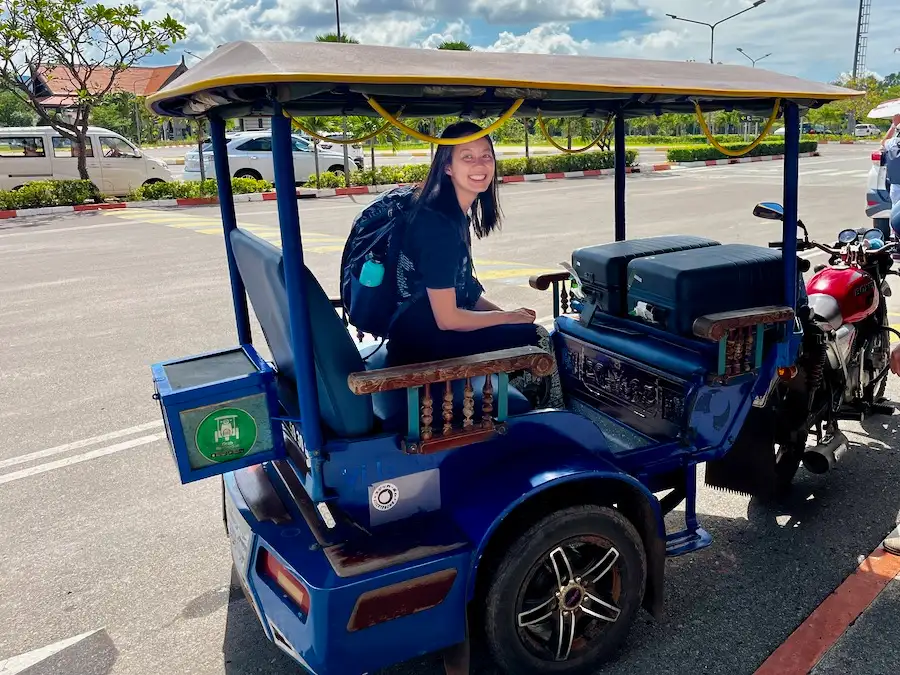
[{"x": 808, "y": 38}]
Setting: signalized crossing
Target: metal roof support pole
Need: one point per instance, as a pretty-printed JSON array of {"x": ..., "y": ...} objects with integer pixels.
[
  {"x": 295, "y": 281},
  {"x": 619, "y": 140},
  {"x": 229, "y": 223},
  {"x": 791, "y": 188}
]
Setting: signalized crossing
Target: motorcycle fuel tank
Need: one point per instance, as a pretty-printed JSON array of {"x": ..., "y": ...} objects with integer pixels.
[{"x": 842, "y": 295}]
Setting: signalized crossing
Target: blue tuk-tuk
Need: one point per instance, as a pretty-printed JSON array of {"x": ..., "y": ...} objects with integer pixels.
[{"x": 368, "y": 527}]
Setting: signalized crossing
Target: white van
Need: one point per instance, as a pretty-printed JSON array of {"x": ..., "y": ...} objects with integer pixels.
[{"x": 114, "y": 164}]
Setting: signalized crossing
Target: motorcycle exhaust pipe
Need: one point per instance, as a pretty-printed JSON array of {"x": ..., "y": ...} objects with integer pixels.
[{"x": 822, "y": 458}]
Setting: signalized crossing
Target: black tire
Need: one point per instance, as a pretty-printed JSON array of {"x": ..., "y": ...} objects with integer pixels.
[
  {"x": 337, "y": 168},
  {"x": 248, "y": 173},
  {"x": 153, "y": 181},
  {"x": 582, "y": 533}
]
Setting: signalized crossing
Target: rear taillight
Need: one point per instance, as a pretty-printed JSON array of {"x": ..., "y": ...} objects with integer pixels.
[
  {"x": 268, "y": 566},
  {"x": 876, "y": 156}
]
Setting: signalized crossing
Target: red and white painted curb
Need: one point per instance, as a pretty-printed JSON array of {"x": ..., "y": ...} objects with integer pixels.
[
  {"x": 738, "y": 160},
  {"x": 375, "y": 189}
]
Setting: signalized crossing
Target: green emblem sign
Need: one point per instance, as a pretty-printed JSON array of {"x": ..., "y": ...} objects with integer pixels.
[{"x": 226, "y": 434}]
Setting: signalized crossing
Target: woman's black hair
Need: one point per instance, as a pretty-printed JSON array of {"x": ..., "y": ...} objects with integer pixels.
[{"x": 438, "y": 191}]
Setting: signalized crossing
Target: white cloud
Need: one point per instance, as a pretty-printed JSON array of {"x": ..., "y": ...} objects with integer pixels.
[
  {"x": 551, "y": 38},
  {"x": 456, "y": 31},
  {"x": 808, "y": 38}
]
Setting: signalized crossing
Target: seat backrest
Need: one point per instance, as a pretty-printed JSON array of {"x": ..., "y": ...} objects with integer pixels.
[{"x": 262, "y": 269}]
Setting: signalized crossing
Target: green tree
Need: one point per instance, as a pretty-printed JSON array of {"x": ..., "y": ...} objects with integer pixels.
[
  {"x": 455, "y": 45},
  {"x": 14, "y": 112},
  {"x": 92, "y": 43},
  {"x": 125, "y": 114},
  {"x": 333, "y": 37}
]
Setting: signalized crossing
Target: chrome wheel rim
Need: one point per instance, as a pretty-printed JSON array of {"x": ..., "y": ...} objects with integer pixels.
[{"x": 570, "y": 598}]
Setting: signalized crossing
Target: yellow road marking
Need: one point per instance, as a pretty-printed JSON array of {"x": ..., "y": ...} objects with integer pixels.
[{"x": 315, "y": 242}]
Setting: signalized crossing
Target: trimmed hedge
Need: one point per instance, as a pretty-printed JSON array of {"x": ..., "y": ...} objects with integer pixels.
[
  {"x": 43, "y": 193},
  {"x": 196, "y": 188},
  {"x": 700, "y": 154},
  {"x": 415, "y": 173}
]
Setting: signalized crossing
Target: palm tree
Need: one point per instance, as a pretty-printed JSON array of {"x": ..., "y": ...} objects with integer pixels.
[{"x": 333, "y": 37}]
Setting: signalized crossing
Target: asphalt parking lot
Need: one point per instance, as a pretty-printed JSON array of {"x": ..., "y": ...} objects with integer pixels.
[{"x": 109, "y": 565}]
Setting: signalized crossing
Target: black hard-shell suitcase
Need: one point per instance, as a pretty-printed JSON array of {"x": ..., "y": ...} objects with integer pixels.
[
  {"x": 603, "y": 269},
  {"x": 672, "y": 290}
]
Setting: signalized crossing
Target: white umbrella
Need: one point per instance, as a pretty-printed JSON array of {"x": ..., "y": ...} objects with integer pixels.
[{"x": 886, "y": 110}]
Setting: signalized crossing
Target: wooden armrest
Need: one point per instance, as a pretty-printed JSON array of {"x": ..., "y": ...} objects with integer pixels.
[
  {"x": 541, "y": 282},
  {"x": 716, "y": 326},
  {"x": 532, "y": 359}
]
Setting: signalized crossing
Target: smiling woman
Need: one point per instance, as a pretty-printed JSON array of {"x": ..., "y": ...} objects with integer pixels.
[{"x": 446, "y": 313}]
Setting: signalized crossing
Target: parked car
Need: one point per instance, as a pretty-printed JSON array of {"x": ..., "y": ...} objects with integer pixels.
[
  {"x": 355, "y": 149},
  {"x": 250, "y": 156},
  {"x": 878, "y": 199},
  {"x": 866, "y": 130},
  {"x": 114, "y": 164}
]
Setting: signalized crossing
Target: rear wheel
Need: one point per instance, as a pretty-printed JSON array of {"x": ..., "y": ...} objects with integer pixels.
[
  {"x": 566, "y": 593},
  {"x": 248, "y": 173}
]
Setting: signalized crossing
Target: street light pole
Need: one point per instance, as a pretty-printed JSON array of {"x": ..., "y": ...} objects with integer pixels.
[
  {"x": 712, "y": 26},
  {"x": 337, "y": 13},
  {"x": 752, "y": 60}
]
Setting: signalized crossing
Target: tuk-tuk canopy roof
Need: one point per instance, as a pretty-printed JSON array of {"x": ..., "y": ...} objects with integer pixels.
[{"x": 321, "y": 78}]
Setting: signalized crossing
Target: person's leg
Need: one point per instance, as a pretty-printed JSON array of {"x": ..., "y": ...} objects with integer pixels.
[{"x": 546, "y": 392}]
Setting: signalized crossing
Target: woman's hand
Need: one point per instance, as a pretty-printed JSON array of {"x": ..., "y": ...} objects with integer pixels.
[{"x": 522, "y": 315}]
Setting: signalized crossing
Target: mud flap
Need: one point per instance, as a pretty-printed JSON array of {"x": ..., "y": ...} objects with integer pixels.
[{"x": 750, "y": 466}]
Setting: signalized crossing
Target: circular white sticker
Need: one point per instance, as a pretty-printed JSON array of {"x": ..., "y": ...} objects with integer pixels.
[{"x": 385, "y": 496}]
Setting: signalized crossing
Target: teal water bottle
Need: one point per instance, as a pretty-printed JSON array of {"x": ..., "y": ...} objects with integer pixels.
[{"x": 372, "y": 273}]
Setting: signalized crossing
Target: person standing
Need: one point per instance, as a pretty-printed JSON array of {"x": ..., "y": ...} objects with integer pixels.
[{"x": 890, "y": 144}]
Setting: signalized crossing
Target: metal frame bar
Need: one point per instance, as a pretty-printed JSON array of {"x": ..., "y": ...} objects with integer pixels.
[
  {"x": 791, "y": 188},
  {"x": 229, "y": 223},
  {"x": 620, "y": 175},
  {"x": 294, "y": 280}
]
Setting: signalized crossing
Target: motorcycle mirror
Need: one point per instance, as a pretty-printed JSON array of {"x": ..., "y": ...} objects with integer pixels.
[{"x": 769, "y": 211}]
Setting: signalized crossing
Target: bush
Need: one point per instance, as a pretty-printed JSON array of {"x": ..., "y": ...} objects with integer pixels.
[
  {"x": 688, "y": 154},
  {"x": 691, "y": 139},
  {"x": 43, "y": 193},
  {"x": 415, "y": 173},
  {"x": 194, "y": 189}
]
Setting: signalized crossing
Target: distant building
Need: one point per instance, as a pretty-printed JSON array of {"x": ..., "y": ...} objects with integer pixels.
[{"x": 56, "y": 90}]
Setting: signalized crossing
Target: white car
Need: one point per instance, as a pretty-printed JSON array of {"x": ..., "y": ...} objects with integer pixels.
[
  {"x": 866, "y": 130},
  {"x": 114, "y": 164},
  {"x": 250, "y": 156},
  {"x": 878, "y": 199}
]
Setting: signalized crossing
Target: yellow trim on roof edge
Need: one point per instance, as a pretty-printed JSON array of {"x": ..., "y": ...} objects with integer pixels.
[{"x": 283, "y": 78}]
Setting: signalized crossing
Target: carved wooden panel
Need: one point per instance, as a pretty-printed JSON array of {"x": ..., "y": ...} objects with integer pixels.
[
  {"x": 532, "y": 359},
  {"x": 646, "y": 401},
  {"x": 716, "y": 326}
]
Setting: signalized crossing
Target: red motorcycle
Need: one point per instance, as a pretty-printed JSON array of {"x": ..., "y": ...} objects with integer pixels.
[{"x": 841, "y": 372}]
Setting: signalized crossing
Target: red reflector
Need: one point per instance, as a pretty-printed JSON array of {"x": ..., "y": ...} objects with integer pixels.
[
  {"x": 402, "y": 599},
  {"x": 269, "y": 566},
  {"x": 876, "y": 156}
]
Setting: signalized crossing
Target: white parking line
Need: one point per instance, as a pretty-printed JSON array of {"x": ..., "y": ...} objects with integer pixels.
[
  {"x": 78, "y": 459},
  {"x": 76, "y": 445}
]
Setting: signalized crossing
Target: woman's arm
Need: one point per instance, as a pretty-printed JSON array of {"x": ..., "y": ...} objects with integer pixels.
[
  {"x": 450, "y": 317},
  {"x": 484, "y": 305}
]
